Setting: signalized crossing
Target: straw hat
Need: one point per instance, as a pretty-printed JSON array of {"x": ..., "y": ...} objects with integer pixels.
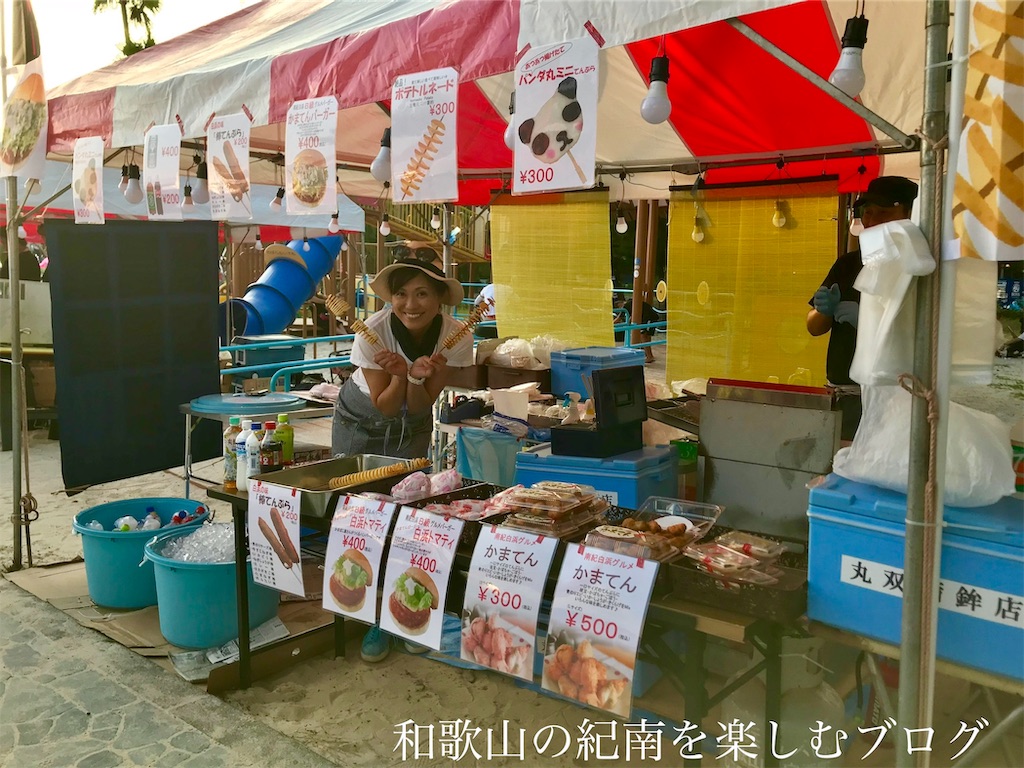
[{"x": 453, "y": 288}]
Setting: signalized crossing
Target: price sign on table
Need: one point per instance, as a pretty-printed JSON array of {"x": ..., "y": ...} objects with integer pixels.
[
  {"x": 274, "y": 537},
  {"x": 503, "y": 596},
  {"x": 597, "y": 616},
  {"x": 355, "y": 549},
  {"x": 416, "y": 581}
]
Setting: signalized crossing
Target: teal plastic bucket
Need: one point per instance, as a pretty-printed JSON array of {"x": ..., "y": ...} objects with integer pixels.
[
  {"x": 115, "y": 568},
  {"x": 196, "y": 601}
]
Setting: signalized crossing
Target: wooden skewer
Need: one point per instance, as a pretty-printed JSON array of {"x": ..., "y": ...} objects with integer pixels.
[{"x": 475, "y": 317}]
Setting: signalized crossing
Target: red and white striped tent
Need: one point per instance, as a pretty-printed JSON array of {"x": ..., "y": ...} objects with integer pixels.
[{"x": 732, "y": 101}]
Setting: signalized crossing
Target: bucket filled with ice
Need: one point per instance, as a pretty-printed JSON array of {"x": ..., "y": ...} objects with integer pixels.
[
  {"x": 195, "y": 587},
  {"x": 113, "y": 538}
]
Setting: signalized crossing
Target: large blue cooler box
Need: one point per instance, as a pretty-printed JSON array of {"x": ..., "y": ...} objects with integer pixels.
[
  {"x": 626, "y": 480},
  {"x": 856, "y": 545},
  {"x": 569, "y": 366}
]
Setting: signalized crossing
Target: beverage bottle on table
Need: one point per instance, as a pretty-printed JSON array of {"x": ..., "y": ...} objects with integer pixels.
[
  {"x": 285, "y": 432},
  {"x": 252, "y": 452},
  {"x": 270, "y": 450},
  {"x": 241, "y": 459},
  {"x": 231, "y": 453}
]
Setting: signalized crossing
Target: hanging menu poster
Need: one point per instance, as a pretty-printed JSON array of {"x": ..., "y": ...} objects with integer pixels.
[
  {"x": 424, "y": 167},
  {"x": 228, "y": 167},
  {"x": 504, "y": 589},
  {"x": 87, "y": 180},
  {"x": 355, "y": 549},
  {"x": 274, "y": 537},
  {"x": 416, "y": 581},
  {"x": 25, "y": 123},
  {"x": 309, "y": 157},
  {"x": 556, "y": 117},
  {"x": 597, "y": 616},
  {"x": 160, "y": 169}
]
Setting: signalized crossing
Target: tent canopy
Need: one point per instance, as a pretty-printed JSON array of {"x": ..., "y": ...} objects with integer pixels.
[{"x": 732, "y": 101}]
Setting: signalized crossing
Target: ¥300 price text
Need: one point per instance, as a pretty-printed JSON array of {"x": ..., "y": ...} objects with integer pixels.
[{"x": 501, "y": 597}]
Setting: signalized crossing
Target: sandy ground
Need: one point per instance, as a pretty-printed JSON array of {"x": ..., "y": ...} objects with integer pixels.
[{"x": 347, "y": 710}]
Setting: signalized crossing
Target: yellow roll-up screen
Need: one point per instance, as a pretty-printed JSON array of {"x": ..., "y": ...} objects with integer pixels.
[
  {"x": 737, "y": 300},
  {"x": 551, "y": 268}
]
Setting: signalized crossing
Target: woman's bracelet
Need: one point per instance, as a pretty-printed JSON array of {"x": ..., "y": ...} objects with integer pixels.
[{"x": 413, "y": 380}]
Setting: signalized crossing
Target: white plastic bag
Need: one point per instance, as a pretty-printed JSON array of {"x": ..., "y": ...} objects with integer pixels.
[
  {"x": 543, "y": 346},
  {"x": 514, "y": 353},
  {"x": 979, "y": 471}
]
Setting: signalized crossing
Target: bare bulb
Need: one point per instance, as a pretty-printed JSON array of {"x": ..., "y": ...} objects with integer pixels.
[
  {"x": 380, "y": 168},
  {"x": 22, "y": 233},
  {"x": 385, "y": 225},
  {"x": 435, "y": 219},
  {"x": 334, "y": 228},
  {"x": 123, "y": 184},
  {"x": 186, "y": 203},
  {"x": 344, "y": 244},
  {"x": 620, "y": 225},
  {"x": 510, "y": 134},
  {"x": 259, "y": 243},
  {"x": 31, "y": 187},
  {"x": 305, "y": 244},
  {"x": 778, "y": 218},
  {"x": 275, "y": 204},
  {"x": 697, "y": 235},
  {"x": 856, "y": 227}
]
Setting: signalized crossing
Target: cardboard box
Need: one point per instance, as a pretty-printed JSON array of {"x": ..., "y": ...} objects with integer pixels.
[
  {"x": 470, "y": 377},
  {"x": 500, "y": 377},
  {"x": 41, "y": 383}
]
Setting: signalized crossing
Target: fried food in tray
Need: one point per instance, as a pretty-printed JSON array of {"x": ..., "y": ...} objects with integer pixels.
[
  {"x": 562, "y": 527},
  {"x": 623, "y": 541},
  {"x": 555, "y": 505}
]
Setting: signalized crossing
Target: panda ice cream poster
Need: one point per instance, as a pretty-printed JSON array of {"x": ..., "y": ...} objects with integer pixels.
[
  {"x": 424, "y": 110},
  {"x": 556, "y": 117}
]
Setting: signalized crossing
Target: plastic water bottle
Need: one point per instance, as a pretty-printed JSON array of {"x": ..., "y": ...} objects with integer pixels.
[
  {"x": 126, "y": 523},
  {"x": 94, "y": 525},
  {"x": 241, "y": 459},
  {"x": 231, "y": 453},
  {"x": 285, "y": 433},
  {"x": 252, "y": 453},
  {"x": 152, "y": 521}
]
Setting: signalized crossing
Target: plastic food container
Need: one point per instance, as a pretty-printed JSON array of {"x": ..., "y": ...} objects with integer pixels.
[
  {"x": 576, "y": 490},
  {"x": 615, "y": 538},
  {"x": 542, "y": 503},
  {"x": 560, "y": 527},
  {"x": 714, "y": 558},
  {"x": 765, "y": 550},
  {"x": 702, "y": 515}
]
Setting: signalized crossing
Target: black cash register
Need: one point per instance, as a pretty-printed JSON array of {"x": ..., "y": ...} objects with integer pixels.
[{"x": 620, "y": 406}]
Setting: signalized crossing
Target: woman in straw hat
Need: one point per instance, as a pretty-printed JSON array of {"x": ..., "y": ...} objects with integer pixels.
[{"x": 385, "y": 407}]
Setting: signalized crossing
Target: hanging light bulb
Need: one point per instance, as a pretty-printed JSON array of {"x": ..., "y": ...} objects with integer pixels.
[
  {"x": 620, "y": 223},
  {"x": 305, "y": 242},
  {"x": 385, "y": 225},
  {"x": 275, "y": 204},
  {"x": 344, "y": 243},
  {"x": 186, "y": 204},
  {"x": 31, "y": 187},
  {"x": 201, "y": 190},
  {"x": 848, "y": 76},
  {"x": 380, "y": 168},
  {"x": 655, "y": 108},
  {"x": 435, "y": 219},
  {"x": 334, "y": 228},
  {"x": 22, "y": 233},
  {"x": 123, "y": 184},
  {"x": 510, "y": 130},
  {"x": 779, "y": 217},
  {"x": 259, "y": 242},
  {"x": 697, "y": 235},
  {"x": 133, "y": 191},
  {"x": 856, "y": 226}
]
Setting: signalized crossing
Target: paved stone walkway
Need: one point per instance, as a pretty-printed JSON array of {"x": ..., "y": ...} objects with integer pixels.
[{"x": 71, "y": 697}]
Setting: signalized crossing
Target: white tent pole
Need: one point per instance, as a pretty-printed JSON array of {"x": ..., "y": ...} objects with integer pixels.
[{"x": 921, "y": 567}]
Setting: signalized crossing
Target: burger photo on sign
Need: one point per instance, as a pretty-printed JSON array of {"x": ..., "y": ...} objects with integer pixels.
[
  {"x": 309, "y": 177},
  {"x": 24, "y": 118},
  {"x": 415, "y": 596},
  {"x": 352, "y": 575}
]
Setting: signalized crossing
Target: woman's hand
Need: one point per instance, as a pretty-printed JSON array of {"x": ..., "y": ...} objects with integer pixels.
[
  {"x": 391, "y": 362},
  {"x": 425, "y": 367}
]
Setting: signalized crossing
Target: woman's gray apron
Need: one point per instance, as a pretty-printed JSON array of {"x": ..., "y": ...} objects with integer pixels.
[{"x": 360, "y": 428}]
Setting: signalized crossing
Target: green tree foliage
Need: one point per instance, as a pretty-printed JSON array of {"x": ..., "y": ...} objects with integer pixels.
[{"x": 133, "y": 12}]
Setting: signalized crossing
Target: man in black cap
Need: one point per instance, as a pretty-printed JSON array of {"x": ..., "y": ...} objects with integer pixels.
[{"x": 836, "y": 304}]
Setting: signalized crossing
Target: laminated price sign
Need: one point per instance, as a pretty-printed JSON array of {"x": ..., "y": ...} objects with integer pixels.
[
  {"x": 416, "y": 580},
  {"x": 228, "y": 167},
  {"x": 503, "y": 595},
  {"x": 355, "y": 549},
  {"x": 87, "y": 180},
  {"x": 424, "y": 113},
  {"x": 597, "y": 616},
  {"x": 309, "y": 165},
  {"x": 274, "y": 537},
  {"x": 160, "y": 169},
  {"x": 556, "y": 117}
]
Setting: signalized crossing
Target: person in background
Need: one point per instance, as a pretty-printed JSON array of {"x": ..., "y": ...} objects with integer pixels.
[
  {"x": 648, "y": 315},
  {"x": 835, "y": 306},
  {"x": 28, "y": 264},
  {"x": 487, "y": 331}
]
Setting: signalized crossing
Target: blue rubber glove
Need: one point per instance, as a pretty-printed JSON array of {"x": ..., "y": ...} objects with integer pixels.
[
  {"x": 825, "y": 300},
  {"x": 847, "y": 312}
]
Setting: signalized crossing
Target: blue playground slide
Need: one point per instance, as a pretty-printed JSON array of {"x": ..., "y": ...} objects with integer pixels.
[{"x": 290, "y": 279}]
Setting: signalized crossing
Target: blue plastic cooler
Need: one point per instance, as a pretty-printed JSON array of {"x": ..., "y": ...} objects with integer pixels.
[
  {"x": 856, "y": 546},
  {"x": 626, "y": 480}
]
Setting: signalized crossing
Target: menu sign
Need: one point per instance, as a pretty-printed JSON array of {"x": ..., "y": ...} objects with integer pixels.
[
  {"x": 597, "y": 616},
  {"x": 274, "y": 537},
  {"x": 416, "y": 581},
  {"x": 87, "y": 180},
  {"x": 309, "y": 164},
  {"x": 504, "y": 589},
  {"x": 424, "y": 109},
  {"x": 161, "y": 149},
  {"x": 355, "y": 549},
  {"x": 228, "y": 167},
  {"x": 556, "y": 117}
]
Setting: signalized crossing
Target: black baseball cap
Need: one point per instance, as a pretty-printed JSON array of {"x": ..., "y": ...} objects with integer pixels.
[{"x": 887, "y": 191}]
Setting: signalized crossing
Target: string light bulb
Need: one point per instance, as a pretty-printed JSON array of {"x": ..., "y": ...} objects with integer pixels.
[
  {"x": 186, "y": 203},
  {"x": 201, "y": 190},
  {"x": 275, "y": 204},
  {"x": 31, "y": 187},
  {"x": 380, "y": 168},
  {"x": 620, "y": 224},
  {"x": 344, "y": 243},
  {"x": 655, "y": 108},
  {"x": 22, "y": 233},
  {"x": 848, "y": 76},
  {"x": 435, "y": 219},
  {"x": 697, "y": 234},
  {"x": 856, "y": 227},
  {"x": 133, "y": 190},
  {"x": 779, "y": 217},
  {"x": 305, "y": 242},
  {"x": 385, "y": 225},
  {"x": 334, "y": 227},
  {"x": 510, "y": 130},
  {"x": 123, "y": 184},
  {"x": 259, "y": 242}
]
